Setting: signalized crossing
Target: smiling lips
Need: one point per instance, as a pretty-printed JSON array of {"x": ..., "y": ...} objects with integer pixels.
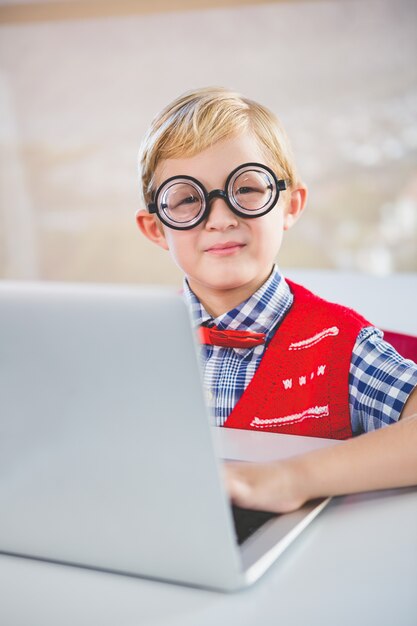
[{"x": 224, "y": 249}]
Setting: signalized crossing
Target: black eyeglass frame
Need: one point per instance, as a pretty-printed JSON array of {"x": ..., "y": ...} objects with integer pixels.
[{"x": 207, "y": 197}]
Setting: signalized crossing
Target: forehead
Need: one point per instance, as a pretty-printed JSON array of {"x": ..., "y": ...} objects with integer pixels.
[{"x": 214, "y": 164}]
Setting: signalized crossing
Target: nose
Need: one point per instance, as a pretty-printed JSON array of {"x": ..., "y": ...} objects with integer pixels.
[{"x": 220, "y": 217}]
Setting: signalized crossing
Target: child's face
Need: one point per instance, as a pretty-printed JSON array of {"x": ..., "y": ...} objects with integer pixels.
[{"x": 226, "y": 258}]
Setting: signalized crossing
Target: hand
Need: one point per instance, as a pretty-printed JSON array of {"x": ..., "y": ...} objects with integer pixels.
[
  {"x": 273, "y": 486},
  {"x": 382, "y": 459}
]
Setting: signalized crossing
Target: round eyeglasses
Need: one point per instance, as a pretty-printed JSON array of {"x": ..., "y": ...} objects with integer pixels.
[{"x": 251, "y": 190}]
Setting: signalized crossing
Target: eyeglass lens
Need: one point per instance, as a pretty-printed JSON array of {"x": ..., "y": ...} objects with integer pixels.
[
  {"x": 251, "y": 190},
  {"x": 182, "y": 202}
]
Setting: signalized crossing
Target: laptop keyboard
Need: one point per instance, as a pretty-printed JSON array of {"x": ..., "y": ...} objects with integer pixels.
[{"x": 247, "y": 521}]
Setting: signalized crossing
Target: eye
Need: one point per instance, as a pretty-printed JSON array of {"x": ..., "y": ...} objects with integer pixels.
[
  {"x": 243, "y": 190},
  {"x": 190, "y": 200},
  {"x": 187, "y": 201},
  {"x": 246, "y": 190}
]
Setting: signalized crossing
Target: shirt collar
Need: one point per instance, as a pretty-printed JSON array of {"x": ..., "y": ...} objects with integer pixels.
[{"x": 260, "y": 313}]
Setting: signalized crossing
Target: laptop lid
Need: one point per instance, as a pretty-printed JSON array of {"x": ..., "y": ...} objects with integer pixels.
[{"x": 106, "y": 450}]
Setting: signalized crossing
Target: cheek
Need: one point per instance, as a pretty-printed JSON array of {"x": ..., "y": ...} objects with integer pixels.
[
  {"x": 268, "y": 240},
  {"x": 269, "y": 233},
  {"x": 181, "y": 245}
]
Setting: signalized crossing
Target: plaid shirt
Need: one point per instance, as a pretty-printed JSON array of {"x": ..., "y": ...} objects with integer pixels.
[{"x": 380, "y": 380}]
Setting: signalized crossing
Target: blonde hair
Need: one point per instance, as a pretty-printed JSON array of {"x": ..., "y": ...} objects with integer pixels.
[{"x": 198, "y": 119}]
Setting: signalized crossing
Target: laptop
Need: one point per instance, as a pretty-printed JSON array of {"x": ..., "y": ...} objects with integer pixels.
[{"x": 107, "y": 455}]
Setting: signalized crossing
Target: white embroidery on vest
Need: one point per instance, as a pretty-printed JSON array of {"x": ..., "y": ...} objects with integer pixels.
[
  {"x": 311, "y": 341},
  {"x": 305, "y": 378},
  {"x": 315, "y": 412}
]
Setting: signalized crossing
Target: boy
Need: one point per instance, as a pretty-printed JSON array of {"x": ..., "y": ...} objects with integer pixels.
[{"x": 221, "y": 187}]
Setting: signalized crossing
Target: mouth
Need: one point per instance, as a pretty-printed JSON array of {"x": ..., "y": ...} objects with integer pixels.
[{"x": 225, "y": 249}]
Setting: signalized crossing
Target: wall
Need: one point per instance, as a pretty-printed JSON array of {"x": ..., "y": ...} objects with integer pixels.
[{"x": 76, "y": 95}]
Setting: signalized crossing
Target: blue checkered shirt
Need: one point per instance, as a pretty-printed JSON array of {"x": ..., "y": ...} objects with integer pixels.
[{"x": 380, "y": 380}]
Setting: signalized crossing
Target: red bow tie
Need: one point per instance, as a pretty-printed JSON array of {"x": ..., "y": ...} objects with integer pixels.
[{"x": 213, "y": 336}]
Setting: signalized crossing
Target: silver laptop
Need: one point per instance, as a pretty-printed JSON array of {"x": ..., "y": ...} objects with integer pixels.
[{"x": 107, "y": 456}]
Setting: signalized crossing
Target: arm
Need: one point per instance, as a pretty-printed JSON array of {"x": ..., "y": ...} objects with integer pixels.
[{"x": 380, "y": 459}]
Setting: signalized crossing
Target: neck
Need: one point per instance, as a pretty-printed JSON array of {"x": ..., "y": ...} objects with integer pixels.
[
  {"x": 217, "y": 304},
  {"x": 219, "y": 301}
]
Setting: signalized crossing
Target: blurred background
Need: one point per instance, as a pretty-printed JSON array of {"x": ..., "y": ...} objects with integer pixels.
[{"x": 81, "y": 81}]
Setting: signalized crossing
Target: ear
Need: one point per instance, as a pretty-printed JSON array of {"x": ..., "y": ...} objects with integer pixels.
[
  {"x": 152, "y": 228},
  {"x": 296, "y": 205}
]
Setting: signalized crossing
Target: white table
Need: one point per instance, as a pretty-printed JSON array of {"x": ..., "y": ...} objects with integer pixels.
[{"x": 355, "y": 564}]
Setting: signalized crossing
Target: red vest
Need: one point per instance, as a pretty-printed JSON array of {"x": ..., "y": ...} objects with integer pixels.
[{"x": 301, "y": 385}]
